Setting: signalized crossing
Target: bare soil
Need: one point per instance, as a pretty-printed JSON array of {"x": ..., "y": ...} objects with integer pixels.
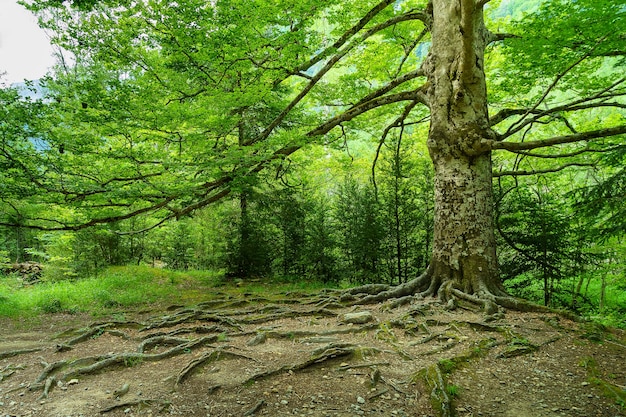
[{"x": 301, "y": 355}]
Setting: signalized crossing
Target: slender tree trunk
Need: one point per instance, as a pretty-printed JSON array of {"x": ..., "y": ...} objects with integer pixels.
[
  {"x": 464, "y": 246},
  {"x": 602, "y": 293},
  {"x": 397, "y": 220}
]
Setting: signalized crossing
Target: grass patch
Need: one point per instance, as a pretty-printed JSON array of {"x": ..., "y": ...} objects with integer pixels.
[
  {"x": 453, "y": 390},
  {"x": 114, "y": 288},
  {"x": 126, "y": 288}
]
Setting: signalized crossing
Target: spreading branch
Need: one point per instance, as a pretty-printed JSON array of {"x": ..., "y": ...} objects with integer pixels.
[
  {"x": 519, "y": 173},
  {"x": 517, "y": 126},
  {"x": 557, "y": 140}
]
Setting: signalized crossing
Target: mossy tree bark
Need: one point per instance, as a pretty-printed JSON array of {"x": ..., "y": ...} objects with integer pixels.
[{"x": 464, "y": 248}]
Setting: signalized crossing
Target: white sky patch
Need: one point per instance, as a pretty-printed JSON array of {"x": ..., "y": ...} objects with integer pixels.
[{"x": 25, "y": 51}]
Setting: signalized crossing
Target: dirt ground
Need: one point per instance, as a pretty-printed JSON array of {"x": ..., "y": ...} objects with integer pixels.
[{"x": 299, "y": 356}]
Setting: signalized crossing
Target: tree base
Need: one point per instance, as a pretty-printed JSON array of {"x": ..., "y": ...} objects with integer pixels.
[{"x": 492, "y": 299}]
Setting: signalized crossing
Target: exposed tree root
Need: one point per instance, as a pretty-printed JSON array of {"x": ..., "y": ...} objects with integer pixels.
[
  {"x": 190, "y": 315},
  {"x": 11, "y": 353},
  {"x": 193, "y": 329},
  {"x": 254, "y": 409},
  {"x": 438, "y": 390},
  {"x": 345, "y": 367},
  {"x": 204, "y": 359},
  {"x": 9, "y": 370},
  {"x": 287, "y": 314},
  {"x": 47, "y": 386},
  {"x": 155, "y": 341},
  {"x": 372, "y": 294},
  {"x": 90, "y": 365},
  {"x": 147, "y": 402},
  {"x": 98, "y": 329},
  {"x": 428, "y": 284},
  {"x": 331, "y": 351},
  {"x": 262, "y": 336}
]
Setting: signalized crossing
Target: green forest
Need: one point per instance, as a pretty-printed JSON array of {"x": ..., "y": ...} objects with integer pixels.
[{"x": 473, "y": 151}]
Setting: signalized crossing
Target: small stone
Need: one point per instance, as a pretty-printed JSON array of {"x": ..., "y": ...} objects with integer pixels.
[
  {"x": 284, "y": 402},
  {"x": 73, "y": 382},
  {"x": 584, "y": 384},
  {"x": 360, "y": 400},
  {"x": 260, "y": 338},
  {"x": 360, "y": 317}
]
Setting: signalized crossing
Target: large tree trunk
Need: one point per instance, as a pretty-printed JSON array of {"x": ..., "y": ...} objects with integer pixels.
[
  {"x": 464, "y": 247},
  {"x": 464, "y": 264}
]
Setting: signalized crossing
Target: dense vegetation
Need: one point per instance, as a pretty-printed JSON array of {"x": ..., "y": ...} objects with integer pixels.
[{"x": 164, "y": 146}]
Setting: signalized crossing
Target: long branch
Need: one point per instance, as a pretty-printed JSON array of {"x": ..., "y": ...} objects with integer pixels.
[
  {"x": 568, "y": 154},
  {"x": 220, "y": 188},
  {"x": 94, "y": 222},
  {"x": 327, "y": 67},
  {"x": 569, "y": 107},
  {"x": 519, "y": 173},
  {"x": 557, "y": 140},
  {"x": 517, "y": 126}
]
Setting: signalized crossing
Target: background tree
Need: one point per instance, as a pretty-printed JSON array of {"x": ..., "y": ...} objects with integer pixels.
[{"x": 358, "y": 221}]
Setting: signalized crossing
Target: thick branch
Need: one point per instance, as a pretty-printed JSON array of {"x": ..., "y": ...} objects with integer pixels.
[
  {"x": 414, "y": 95},
  {"x": 345, "y": 37},
  {"x": 570, "y": 107},
  {"x": 569, "y": 154},
  {"x": 102, "y": 220},
  {"x": 557, "y": 140},
  {"x": 495, "y": 37},
  {"x": 520, "y": 173}
]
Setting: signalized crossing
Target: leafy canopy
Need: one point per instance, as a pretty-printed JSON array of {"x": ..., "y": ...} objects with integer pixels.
[{"x": 162, "y": 107}]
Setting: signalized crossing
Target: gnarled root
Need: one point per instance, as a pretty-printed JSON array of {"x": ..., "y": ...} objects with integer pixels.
[
  {"x": 488, "y": 297},
  {"x": 372, "y": 294}
]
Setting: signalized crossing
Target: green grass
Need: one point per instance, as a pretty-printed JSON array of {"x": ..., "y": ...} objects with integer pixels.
[
  {"x": 453, "y": 390},
  {"x": 134, "y": 287},
  {"x": 114, "y": 288},
  {"x": 614, "y": 299}
]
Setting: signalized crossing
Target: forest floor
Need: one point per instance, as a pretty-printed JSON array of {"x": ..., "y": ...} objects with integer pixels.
[{"x": 307, "y": 355}]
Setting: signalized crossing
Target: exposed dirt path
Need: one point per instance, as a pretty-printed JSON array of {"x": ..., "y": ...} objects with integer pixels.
[{"x": 302, "y": 356}]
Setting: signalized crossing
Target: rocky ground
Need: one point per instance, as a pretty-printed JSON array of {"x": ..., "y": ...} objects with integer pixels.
[{"x": 302, "y": 355}]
